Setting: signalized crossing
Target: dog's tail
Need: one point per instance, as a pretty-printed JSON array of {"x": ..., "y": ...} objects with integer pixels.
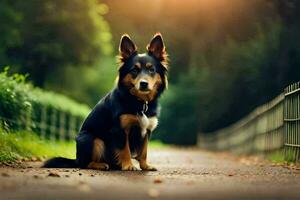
[{"x": 60, "y": 162}]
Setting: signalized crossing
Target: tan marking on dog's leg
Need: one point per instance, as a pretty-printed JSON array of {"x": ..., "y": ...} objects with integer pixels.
[
  {"x": 142, "y": 157},
  {"x": 98, "y": 150},
  {"x": 124, "y": 157},
  {"x": 98, "y": 156}
]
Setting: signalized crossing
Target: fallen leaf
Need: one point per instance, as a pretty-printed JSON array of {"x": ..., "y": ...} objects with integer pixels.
[
  {"x": 36, "y": 176},
  {"x": 157, "y": 181},
  {"x": 53, "y": 174},
  {"x": 5, "y": 174}
]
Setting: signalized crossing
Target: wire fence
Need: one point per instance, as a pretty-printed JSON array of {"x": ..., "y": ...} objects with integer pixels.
[
  {"x": 272, "y": 127},
  {"x": 47, "y": 122}
]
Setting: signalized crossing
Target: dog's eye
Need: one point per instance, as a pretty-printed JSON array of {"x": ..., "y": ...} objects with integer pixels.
[
  {"x": 152, "y": 70},
  {"x": 134, "y": 71}
]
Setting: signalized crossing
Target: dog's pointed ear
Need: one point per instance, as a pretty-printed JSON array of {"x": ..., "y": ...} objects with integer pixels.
[
  {"x": 127, "y": 47},
  {"x": 157, "y": 48}
]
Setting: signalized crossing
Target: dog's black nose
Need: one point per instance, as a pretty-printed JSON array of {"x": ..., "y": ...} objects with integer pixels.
[{"x": 143, "y": 85}]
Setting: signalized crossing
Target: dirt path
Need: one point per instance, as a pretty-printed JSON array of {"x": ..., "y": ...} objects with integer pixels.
[{"x": 183, "y": 174}]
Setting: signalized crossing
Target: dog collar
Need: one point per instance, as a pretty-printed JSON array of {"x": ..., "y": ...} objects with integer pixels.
[{"x": 145, "y": 107}]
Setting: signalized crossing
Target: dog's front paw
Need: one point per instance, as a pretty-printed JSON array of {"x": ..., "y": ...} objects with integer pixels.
[
  {"x": 148, "y": 168},
  {"x": 129, "y": 167}
]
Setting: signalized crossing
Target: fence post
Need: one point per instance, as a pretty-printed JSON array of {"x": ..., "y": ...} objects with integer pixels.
[
  {"x": 72, "y": 122},
  {"x": 43, "y": 121},
  {"x": 53, "y": 128},
  {"x": 62, "y": 119}
]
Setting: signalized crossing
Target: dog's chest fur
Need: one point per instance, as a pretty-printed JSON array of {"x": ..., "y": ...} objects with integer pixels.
[{"x": 145, "y": 123}]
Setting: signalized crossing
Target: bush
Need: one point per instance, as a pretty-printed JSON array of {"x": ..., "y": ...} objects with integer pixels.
[
  {"x": 179, "y": 116},
  {"x": 21, "y": 102},
  {"x": 14, "y": 98}
]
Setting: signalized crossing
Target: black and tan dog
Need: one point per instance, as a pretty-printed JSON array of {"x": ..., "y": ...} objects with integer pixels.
[{"x": 120, "y": 125}]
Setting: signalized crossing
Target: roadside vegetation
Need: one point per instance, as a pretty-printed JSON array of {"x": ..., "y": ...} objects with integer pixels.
[
  {"x": 20, "y": 105},
  {"x": 24, "y": 144}
]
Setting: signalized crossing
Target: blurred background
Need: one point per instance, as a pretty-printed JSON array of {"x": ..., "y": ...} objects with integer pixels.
[{"x": 226, "y": 56}]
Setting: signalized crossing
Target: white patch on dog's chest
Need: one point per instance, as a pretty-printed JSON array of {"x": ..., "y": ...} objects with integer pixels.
[{"x": 147, "y": 123}]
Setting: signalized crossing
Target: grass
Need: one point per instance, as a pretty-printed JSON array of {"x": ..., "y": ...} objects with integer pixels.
[
  {"x": 282, "y": 157},
  {"x": 18, "y": 145},
  {"x": 156, "y": 144},
  {"x": 277, "y": 157}
]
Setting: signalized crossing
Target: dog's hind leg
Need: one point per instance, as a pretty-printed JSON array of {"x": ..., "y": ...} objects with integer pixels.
[{"x": 98, "y": 156}]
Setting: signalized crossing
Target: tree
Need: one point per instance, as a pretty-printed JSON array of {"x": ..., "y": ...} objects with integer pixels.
[
  {"x": 10, "y": 20},
  {"x": 55, "y": 34}
]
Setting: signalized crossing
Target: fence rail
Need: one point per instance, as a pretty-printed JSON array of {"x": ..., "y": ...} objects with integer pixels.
[
  {"x": 47, "y": 122},
  {"x": 274, "y": 126}
]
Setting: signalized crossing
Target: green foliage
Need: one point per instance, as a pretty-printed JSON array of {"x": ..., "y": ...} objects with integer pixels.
[
  {"x": 10, "y": 20},
  {"x": 59, "y": 102},
  {"x": 17, "y": 145},
  {"x": 157, "y": 144},
  {"x": 179, "y": 115},
  {"x": 94, "y": 82},
  {"x": 14, "y": 97},
  {"x": 241, "y": 81},
  {"x": 20, "y": 100},
  {"x": 45, "y": 36}
]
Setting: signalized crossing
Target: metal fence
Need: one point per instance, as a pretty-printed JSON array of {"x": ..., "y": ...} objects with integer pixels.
[
  {"x": 274, "y": 126},
  {"x": 292, "y": 122},
  {"x": 47, "y": 122}
]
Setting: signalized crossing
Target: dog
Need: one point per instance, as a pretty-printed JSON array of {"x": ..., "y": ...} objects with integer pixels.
[{"x": 120, "y": 125}]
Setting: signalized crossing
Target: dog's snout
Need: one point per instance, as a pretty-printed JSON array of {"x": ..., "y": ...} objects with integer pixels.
[{"x": 143, "y": 85}]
